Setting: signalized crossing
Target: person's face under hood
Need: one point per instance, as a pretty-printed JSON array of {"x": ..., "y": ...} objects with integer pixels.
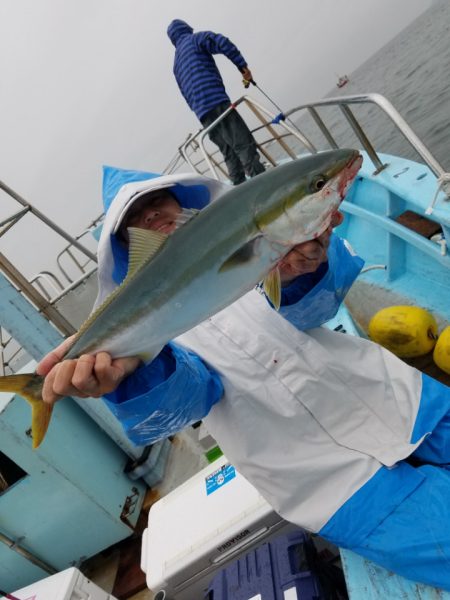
[
  {"x": 157, "y": 211},
  {"x": 177, "y": 29}
]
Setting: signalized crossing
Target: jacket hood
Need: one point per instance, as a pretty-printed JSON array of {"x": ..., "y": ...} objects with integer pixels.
[
  {"x": 177, "y": 29},
  {"x": 121, "y": 187},
  {"x": 195, "y": 193}
]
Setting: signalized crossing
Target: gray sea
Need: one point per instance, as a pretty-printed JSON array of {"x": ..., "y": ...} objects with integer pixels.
[{"x": 413, "y": 72}]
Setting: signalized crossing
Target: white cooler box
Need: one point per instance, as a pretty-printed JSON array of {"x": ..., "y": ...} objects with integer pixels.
[
  {"x": 70, "y": 584},
  {"x": 200, "y": 527}
]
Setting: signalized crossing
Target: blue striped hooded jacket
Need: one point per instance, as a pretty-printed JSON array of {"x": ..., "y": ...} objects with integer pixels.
[{"x": 194, "y": 67}]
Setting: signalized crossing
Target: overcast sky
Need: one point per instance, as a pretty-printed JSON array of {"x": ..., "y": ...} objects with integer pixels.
[{"x": 89, "y": 82}]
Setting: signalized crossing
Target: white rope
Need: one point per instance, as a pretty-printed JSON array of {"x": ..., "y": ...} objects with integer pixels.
[{"x": 443, "y": 185}]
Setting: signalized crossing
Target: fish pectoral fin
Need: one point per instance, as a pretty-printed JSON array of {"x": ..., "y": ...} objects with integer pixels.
[
  {"x": 144, "y": 244},
  {"x": 29, "y": 386},
  {"x": 241, "y": 256},
  {"x": 272, "y": 287}
]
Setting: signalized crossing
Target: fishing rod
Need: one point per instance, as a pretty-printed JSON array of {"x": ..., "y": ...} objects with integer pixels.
[{"x": 281, "y": 116}]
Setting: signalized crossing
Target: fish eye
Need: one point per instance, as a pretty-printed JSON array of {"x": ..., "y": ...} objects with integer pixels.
[{"x": 318, "y": 183}]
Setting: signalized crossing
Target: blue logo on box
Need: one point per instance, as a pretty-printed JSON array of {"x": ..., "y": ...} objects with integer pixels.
[{"x": 219, "y": 478}]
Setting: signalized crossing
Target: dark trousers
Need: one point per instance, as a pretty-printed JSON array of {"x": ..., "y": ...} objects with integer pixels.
[{"x": 236, "y": 143}]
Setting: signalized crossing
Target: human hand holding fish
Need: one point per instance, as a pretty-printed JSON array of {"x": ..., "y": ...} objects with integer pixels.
[
  {"x": 307, "y": 257},
  {"x": 89, "y": 376}
]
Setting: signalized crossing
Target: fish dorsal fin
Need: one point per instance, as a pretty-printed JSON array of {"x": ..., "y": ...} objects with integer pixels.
[
  {"x": 144, "y": 244},
  {"x": 272, "y": 287}
]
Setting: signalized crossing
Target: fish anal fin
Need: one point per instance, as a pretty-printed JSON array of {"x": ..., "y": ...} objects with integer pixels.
[
  {"x": 144, "y": 244},
  {"x": 243, "y": 255},
  {"x": 272, "y": 287},
  {"x": 41, "y": 413}
]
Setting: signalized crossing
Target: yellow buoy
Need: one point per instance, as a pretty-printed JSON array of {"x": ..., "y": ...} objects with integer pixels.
[
  {"x": 407, "y": 331},
  {"x": 441, "y": 354}
]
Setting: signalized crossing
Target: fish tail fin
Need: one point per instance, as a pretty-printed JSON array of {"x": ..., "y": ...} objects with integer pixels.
[{"x": 29, "y": 386}]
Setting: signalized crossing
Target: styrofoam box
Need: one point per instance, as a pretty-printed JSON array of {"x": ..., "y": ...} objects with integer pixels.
[
  {"x": 201, "y": 526},
  {"x": 69, "y": 584}
]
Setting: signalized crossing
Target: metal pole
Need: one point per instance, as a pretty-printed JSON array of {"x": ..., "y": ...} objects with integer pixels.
[
  {"x": 47, "y": 221},
  {"x": 35, "y": 297},
  {"x": 323, "y": 128},
  {"x": 26, "y": 554},
  {"x": 275, "y": 135},
  {"x": 392, "y": 113},
  {"x": 363, "y": 138},
  {"x": 292, "y": 124}
]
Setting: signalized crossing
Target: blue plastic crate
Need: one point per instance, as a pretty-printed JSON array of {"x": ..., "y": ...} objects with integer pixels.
[{"x": 269, "y": 571}]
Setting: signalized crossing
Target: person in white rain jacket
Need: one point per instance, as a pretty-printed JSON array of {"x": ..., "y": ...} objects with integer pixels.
[{"x": 339, "y": 435}]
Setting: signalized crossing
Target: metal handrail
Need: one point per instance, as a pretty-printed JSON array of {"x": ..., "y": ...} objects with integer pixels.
[
  {"x": 384, "y": 104},
  {"x": 36, "y": 293},
  {"x": 343, "y": 103},
  {"x": 74, "y": 284},
  {"x": 37, "y": 213},
  {"x": 260, "y": 111},
  {"x": 67, "y": 252},
  {"x": 5, "y": 361},
  {"x": 50, "y": 279},
  {"x": 12, "y": 220}
]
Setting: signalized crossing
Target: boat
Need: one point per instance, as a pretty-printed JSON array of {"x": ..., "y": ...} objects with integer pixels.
[
  {"x": 397, "y": 214},
  {"x": 343, "y": 80},
  {"x": 397, "y": 217}
]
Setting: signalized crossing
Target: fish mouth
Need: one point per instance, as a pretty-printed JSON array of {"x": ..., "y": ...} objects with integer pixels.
[
  {"x": 338, "y": 187},
  {"x": 341, "y": 182},
  {"x": 348, "y": 175}
]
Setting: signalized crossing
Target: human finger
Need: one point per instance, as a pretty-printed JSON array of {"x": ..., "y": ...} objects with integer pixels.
[
  {"x": 84, "y": 380},
  {"x": 312, "y": 250},
  {"x": 302, "y": 259},
  {"x": 54, "y": 357},
  {"x": 111, "y": 372},
  {"x": 58, "y": 382}
]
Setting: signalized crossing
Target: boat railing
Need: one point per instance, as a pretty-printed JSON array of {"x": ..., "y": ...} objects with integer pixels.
[
  {"x": 70, "y": 258},
  {"x": 281, "y": 131},
  {"x": 344, "y": 102},
  {"x": 45, "y": 281},
  {"x": 47, "y": 287},
  {"x": 11, "y": 353},
  {"x": 194, "y": 152}
]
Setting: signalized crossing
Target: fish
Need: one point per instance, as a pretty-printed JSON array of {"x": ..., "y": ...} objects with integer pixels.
[{"x": 174, "y": 282}]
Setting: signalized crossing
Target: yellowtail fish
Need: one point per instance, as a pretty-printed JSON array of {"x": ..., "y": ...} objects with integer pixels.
[{"x": 175, "y": 282}]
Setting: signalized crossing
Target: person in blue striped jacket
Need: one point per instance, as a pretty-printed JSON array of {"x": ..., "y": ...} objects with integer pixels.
[{"x": 203, "y": 89}]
